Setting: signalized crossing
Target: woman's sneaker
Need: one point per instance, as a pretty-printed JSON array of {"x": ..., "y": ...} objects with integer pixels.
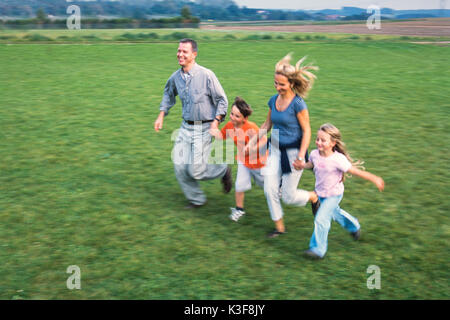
[
  {"x": 312, "y": 255},
  {"x": 236, "y": 214},
  {"x": 356, "y": 235}
]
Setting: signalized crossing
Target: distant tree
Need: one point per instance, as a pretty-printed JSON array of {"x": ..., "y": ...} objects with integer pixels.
[
  {"x": 40, "y": 15},
  {"x": 234, "y": 11},
  {"x": 363, "y": 16},
  {"x": 139, "y": 13},
  {"x": 186, "y": 13}
]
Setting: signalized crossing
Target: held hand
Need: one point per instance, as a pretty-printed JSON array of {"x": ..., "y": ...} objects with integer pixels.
[
  {"x": 158, "y": 124},
  {"x": 214, "y": 130},
  {"x": 298, "y": 164},
  {"x": 251, "y": 147},
  {"x": 379, "y": 182},
  {"x": 214, "y": 125},
  {"x": 215, "y": 133}
]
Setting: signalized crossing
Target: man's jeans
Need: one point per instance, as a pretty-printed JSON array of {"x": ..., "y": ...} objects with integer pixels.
[
  {"x": 190, "y": 156},
  {"x": 329, "y": 210}
]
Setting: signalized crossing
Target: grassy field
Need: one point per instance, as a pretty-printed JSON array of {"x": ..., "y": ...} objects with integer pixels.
[
  {"x": 64, "y": 36},
  {"x": 84, "y": 179}
]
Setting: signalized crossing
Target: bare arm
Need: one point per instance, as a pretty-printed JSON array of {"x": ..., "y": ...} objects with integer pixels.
[
  {"x": 267, "y": 125},
  {"x": 376, "y": 180},
  {"x": 263, "y": 130},
  {"x": 216, "y": 132},
  {"x": 159, "y": 121},
  {"x": 168, "y": 101},
  {"x": 308, "y": 165},
  {"x": 303, "y": 120}
]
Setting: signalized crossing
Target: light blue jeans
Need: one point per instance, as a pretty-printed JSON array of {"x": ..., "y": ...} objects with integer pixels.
[
  {"x": 190, "y": 156},
  {"x": 329, "y": 210}
]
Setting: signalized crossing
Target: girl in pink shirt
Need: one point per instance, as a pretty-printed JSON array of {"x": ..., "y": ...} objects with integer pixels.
[{"x": 330, "y": 161}]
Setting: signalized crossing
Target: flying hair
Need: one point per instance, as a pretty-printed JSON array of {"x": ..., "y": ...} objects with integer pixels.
[{"x": 300, "y": 77}]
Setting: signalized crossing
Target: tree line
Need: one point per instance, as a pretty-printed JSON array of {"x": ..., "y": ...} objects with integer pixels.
[{"x": 224, "y": 10}]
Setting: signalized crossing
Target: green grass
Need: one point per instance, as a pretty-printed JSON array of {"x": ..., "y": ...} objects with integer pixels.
[
  {"x": 84, "y": 179},
  {"x": 170, "y": 35}
]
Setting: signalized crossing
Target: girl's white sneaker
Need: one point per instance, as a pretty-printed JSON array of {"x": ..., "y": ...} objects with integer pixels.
[{"x": 236, "y": 214}]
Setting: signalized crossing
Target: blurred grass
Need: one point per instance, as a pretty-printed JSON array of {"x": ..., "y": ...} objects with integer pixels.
[
  {"x": 84, "y": 179},
  {"x": 204, "y": 35}
]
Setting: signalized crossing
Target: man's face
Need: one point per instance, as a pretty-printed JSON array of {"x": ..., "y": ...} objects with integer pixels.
[{"x": 185, "y": 55}]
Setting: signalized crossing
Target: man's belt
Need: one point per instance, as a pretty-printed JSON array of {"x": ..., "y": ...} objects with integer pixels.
[{"x": 197, "y": 121}]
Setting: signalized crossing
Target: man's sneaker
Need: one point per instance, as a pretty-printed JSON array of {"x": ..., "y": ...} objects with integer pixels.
[
  {"x": 227, "y": 181},
  {"x": 275, "y": 233},
  {"x": 315, "y": 206},
  {"x": 312, "y": 255},
  {"x": 194, "y": 206},
  {"x": 356, "y": 235},
  {"x": 236, "y": 214}
]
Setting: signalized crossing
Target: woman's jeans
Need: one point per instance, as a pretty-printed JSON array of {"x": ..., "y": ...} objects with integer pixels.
[
  {"x": 284, "y": 186},
  {"x": 329, "y": 210}
]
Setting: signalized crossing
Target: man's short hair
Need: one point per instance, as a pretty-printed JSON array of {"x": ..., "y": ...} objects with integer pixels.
[{"x": 192, "y": 42}]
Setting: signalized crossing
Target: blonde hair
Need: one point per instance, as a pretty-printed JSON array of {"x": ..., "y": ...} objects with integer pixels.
[
  {"x": 299, "y": 76},
  {"x": 340, "y": 146}
]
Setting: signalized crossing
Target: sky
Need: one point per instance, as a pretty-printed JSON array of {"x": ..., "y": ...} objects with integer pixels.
[{"x": 337, "y": 4}]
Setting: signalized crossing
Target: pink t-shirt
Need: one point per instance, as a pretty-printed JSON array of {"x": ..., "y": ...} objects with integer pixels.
[{"x": 329, "y": 172}]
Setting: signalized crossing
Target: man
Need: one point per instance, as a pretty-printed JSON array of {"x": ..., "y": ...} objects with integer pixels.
[{"x": 204, "y": 106}]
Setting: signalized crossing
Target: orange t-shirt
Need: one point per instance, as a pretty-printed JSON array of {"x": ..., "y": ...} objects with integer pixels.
[{"x": 241, "y": 137}]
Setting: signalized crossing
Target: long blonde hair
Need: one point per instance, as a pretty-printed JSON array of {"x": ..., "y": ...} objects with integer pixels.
[
  {"x": 340, "y": 146},
  {"x": 300, "y": 77}
]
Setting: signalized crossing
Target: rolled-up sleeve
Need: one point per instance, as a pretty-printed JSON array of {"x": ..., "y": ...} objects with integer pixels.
[
  {"x": 218, "y": 95},
  {"x": 168, "y": 100}
]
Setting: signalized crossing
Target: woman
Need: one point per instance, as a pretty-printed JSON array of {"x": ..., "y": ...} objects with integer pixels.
[{"x": 289, "y": 117}]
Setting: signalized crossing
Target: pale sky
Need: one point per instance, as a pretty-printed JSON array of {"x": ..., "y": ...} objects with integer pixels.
[{"x": 337, "y": 4}]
